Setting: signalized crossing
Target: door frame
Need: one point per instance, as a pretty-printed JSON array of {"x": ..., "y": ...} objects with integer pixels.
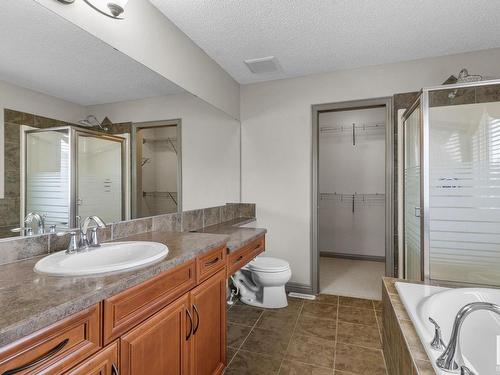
[
  {"x": 133, "y": 139},
  {"x": 389, "y": 180}
]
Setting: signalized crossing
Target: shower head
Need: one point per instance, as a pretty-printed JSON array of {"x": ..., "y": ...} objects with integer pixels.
[{"x": 91, "y": 121}]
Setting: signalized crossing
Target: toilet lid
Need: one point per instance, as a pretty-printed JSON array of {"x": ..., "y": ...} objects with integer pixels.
[{"x": 268, "y": 264}]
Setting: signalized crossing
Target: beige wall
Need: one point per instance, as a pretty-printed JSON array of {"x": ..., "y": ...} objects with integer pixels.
[
  {"x": 151, "y": 39},
  {"x": 276, "y": 139},
  {"x": 210, "y": 144}
]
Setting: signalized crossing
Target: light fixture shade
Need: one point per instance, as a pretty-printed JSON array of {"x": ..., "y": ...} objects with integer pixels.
[
  {"x": 110, "y": 8},
  {"x": 117, "y": 7}
]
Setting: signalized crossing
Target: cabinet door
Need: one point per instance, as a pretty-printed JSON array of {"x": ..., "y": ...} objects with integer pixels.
[
  {"x": 104, "y": 362},
  {"x": 159, "y": 345},
  {"x": 208, "y": 302}
]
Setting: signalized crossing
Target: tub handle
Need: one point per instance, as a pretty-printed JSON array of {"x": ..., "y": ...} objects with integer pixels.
[
  {"x": 464, "y": 370},
  {"x": 437, "y": 342}
]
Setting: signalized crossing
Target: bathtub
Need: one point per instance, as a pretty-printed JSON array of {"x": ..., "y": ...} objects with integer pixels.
[{"x": 480, "y": 334}]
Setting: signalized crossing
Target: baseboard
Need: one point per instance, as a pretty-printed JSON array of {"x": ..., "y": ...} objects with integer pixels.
[
  {"x": 299, "y": 288},
  {"x": 372, "y": 258}
]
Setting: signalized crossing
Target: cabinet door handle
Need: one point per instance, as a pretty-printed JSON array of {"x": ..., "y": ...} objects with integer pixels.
[
  {"x": 56, "y": 349},
  {"x": 190, "y": 324},
  {"x": 114, "y": 370},
  {"x": 213, "y": 261},
  {"x": 197, "y": 319}
]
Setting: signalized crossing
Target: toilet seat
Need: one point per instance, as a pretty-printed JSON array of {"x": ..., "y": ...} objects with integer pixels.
[{"x": 268, "y": 264}]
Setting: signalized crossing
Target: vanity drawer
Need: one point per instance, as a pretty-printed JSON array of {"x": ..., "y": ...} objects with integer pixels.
[
  {"x": 240, "y": 257},
  {"x": 56, "y": 348},
  {"x": 208, "y": 264},
  {"x": 127, "y": 309}
]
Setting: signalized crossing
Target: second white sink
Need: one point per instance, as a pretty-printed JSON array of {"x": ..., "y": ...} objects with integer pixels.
[{"x": 109, "y": 257}]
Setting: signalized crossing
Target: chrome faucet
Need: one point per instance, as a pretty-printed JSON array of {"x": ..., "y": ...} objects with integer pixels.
[
  {"x": 87, "y": 241},
  {"x": 34, "y": 218},
  {"x": 451, "y": 360}
]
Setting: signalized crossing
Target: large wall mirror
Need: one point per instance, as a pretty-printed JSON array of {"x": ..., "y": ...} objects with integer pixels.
[{"x": 86, "y": 130}]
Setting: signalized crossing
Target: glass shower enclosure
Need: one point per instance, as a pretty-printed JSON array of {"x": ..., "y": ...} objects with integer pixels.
[
  {"x": 71, "y": 172},
  {"x": 452, "y": 184}
]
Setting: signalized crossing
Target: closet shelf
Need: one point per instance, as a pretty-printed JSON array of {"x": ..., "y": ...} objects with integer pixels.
[
  {"x": 349, "y": 128},
  {"x": 170, "y": 141},
  {"x": 353, "y": 199},
  {"x": 161, "y": 194}
]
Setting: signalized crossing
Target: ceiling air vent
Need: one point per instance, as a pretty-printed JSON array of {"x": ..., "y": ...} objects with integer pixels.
[{"x": 263, "y": 65}]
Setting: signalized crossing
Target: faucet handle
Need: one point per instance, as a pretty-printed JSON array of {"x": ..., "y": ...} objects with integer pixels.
[
  {"x": 437, "y": 342},
  {"x": 464, "y": 370},
  {"x": 73, "y": 243}
]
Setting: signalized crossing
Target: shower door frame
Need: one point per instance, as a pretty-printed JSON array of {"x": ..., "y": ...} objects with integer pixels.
[
  {"x": 314, "y": 288},
  {"x": 425, "y": 161},
  {"x": 417, "y": 105},
  {"x": 73, "y": 132}
]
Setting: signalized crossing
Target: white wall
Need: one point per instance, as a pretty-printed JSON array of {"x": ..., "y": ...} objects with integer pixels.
[
  {"x": 150, "y": 38},
  {"x": 210, "y": 144},
  {"x": 276, "y": 139},
  {"x": 20, "y": 99}
]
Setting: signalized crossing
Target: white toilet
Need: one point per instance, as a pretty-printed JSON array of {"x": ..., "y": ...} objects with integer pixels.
[{"x": 262, "y": 282}]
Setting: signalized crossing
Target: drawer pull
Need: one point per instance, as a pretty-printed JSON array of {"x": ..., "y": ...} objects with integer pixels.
[
  {"x": 114, "y": 370},
  {"x": 213, "y": 261},
  {"x": 197, "y": 319},
  {"x": 239, "y": 258},
  {"x": 38, "y": 360},
  {"x": 190, "y": 324}
]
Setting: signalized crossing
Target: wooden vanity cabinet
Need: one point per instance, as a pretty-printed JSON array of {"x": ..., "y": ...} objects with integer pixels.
[
  {"x": 57, "y": 348},
  {"x": 208, "y": 303},
  {"x": 160, "y": 345},
  {"x": 245, "y": 254},
  {"x": 172, "y": 324},
  {"x": 104, "y": 362}
]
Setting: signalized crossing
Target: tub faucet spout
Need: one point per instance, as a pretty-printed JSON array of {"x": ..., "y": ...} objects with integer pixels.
[{"x": 451, "y": 359}]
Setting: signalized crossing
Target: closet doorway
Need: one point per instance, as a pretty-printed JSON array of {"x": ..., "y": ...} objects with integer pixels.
[
  {"x": 352, "y": 215},
  {"x": 157, "y": 168}
]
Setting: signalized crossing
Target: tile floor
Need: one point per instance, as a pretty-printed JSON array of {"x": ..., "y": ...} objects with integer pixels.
[
  {"x": 331, "y": 335},
  {"x": 355, "y": 278}
]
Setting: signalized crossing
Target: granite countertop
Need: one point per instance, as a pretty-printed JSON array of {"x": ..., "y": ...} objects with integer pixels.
[
  {"x": 32, "y": 301},
  {"x": 238, "y": 236}
]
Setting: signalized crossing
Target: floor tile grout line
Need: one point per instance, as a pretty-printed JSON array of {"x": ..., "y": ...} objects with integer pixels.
[
  {"x": 245, "y": 339},
  {"x": 291, "y": 336},
  {"x": 336, "y": 334},
  {"x": 380, "y": 336}
]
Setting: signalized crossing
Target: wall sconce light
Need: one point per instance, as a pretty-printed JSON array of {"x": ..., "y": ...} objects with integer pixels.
[{"x": 110, "y": 8}]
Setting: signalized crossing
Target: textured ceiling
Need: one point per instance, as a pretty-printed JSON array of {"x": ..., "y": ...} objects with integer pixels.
[
  {"x": 313, "y": 36},
  {"x": 44, "y": 52}
]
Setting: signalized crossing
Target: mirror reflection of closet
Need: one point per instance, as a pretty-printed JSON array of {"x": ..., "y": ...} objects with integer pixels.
[{"x": 156, "y": 179}]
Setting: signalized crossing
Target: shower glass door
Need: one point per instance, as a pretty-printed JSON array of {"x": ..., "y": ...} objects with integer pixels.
[
  {"x": 99, "y": 177},
  {"x": 464, "y": 184},
  {"x": 412, "y": 196},
  {"x": 47, "y": 175}
]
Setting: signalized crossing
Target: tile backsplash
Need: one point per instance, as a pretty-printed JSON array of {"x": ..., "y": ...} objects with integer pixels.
[{"x": 19, "y": 248}]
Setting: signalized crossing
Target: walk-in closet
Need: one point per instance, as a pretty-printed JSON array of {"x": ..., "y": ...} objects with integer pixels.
[{"x": 351, "y": 200}]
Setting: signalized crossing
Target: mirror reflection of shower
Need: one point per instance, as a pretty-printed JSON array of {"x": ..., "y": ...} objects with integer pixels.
[
  {"x": 71, "y": 172},
  {"x": 157, "y": 163}
]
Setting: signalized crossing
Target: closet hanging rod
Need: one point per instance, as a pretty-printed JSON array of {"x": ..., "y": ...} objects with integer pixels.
[{"x": 349, "y": 128}]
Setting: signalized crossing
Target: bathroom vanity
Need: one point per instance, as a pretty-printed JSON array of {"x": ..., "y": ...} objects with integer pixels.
[{"x": 167, "y": 318}]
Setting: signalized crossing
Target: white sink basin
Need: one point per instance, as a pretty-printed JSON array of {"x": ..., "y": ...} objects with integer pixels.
[{"x": 109, "y": 257}]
